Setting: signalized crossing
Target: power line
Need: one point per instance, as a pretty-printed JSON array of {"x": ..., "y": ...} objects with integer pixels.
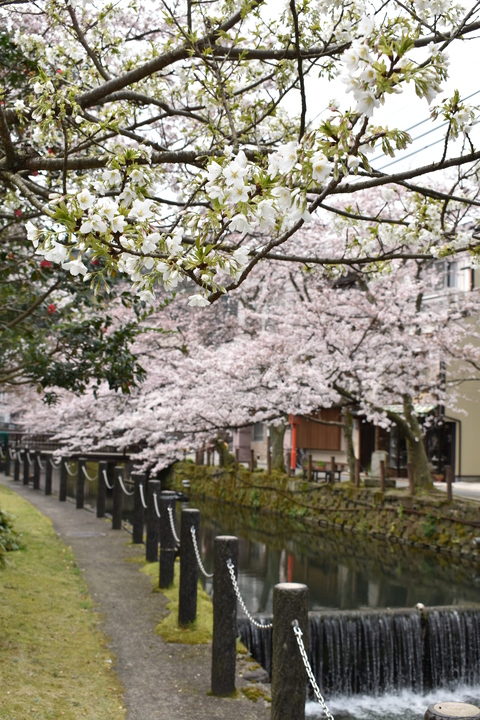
[
  {"x": 415, "y": 152},
  {"x": 428, "y": 132},
  {"x": 429, "y": 118}
]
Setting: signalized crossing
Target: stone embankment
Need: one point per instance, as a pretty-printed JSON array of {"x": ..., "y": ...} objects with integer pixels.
[{"x": 426, "y": 520}]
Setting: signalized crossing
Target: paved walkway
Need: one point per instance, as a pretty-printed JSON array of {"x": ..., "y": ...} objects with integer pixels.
[
  {"x": 162, "y": 681},
  {"x": 460, "y": 489}
]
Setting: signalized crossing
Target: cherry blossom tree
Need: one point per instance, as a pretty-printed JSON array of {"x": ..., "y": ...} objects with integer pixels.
[
  {"x": 294, "y": 339},
  {"x": 161, "y": 142}
]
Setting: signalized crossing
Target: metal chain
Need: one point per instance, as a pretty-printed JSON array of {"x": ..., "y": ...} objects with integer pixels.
[
  {"x": 155, "y": 503},
  {"x": 2, "y": 453},
  {"x": 309, "y": 671},
  {"x": 72, "y": 473},
  {"x": 12, "y": 453},
  {"x": 40, "y": 464},
  {"x": 29, "y": 459},
  {"x": 122, "y": 485},
  {"x": 231, "y": 570},
  {"x": 197, "y": 553},
  {"x": 142, "y": 496},
  {"x": 105, "y": 480},
  {"x": 172, "y": 525},
  {"x": 90, "y": 479}
]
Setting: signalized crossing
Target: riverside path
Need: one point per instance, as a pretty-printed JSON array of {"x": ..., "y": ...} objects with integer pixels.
[{"x": 161, "y": 681}]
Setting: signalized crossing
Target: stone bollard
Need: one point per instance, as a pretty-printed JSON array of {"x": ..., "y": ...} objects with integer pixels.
[
  {"x": 62, "y": 488},
  {"x": 26, "y": 467},
  {"x": 16, "y": 467},
  {"x": 8, "y": 462},
  {"x": 152, "y": 521},
  {"x": 449, "y": 479},
  {"x": 117, "y": 499},
  {"x": 289, "y": 679},
  {"x": 224, "y": 616},
  {"x": 80, "y": 484},
  {"x": 187, "y": 594},
  {"x": 35, "y": 457},
  {"x": 452, "y": 711},
  {"x": 333, "y": 467},
  {"x": 168, "y": 546},
  {"x": 138, "y": 519},
  {"x": 48, "y": 475}
]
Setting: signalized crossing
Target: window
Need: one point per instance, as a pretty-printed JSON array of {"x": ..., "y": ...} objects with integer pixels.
[{"x": 258, "y": 431}]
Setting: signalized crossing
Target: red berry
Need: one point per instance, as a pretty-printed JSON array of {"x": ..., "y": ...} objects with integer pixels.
[
  {"x": 52, "y": 308},
  {"x": 18, "y": 212},
  {"x": 46, "y": 264}
]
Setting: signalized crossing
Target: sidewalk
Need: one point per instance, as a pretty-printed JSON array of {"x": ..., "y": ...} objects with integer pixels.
[
  {"x": 161, "y": 681},
  {"x": 460, "y": 489}
]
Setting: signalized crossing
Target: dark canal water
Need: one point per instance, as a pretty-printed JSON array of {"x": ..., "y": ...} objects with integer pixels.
[{"x": 342, "y": 571}]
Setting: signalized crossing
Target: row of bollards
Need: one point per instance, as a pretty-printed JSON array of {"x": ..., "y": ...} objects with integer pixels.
[{"x": 153, "y": 522}]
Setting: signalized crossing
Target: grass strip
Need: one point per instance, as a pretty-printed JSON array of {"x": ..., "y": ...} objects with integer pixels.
[{"x": 54, "y": 664}]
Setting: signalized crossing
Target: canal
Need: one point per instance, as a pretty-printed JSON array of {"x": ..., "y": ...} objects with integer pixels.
[{"x": 343, "y": 572}]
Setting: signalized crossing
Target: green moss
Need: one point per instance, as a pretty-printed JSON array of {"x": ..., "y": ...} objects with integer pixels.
[
  {"x": 200, "y": 631},
  {"x": 255, "y": 693},
  {"x": 392, "y": 515}
]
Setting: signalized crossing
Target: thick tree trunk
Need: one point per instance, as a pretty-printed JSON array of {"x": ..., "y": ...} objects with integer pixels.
[
  {"x": 417, "y": 454},
  {"x": 348, "y": 430},
  {"x": 277, "y": 433}
]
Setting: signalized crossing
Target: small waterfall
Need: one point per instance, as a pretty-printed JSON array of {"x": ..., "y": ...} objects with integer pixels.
[{"x": 382, "y": 651}]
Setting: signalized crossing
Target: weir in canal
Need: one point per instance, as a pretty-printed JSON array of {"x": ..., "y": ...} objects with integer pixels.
[{"x": 372, "y": 651}]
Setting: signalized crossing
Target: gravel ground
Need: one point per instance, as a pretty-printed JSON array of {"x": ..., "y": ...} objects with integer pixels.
[{"x": 162, "y": 681}]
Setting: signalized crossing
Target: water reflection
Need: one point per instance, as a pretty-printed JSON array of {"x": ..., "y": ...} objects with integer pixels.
[{"x": 342, "y": 571}]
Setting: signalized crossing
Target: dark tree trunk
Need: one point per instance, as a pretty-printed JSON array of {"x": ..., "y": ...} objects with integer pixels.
[
  {"x": 348, "y": 430},
  {"x": 277, "y": 433}
]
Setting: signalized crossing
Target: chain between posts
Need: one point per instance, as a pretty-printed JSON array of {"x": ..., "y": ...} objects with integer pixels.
[
  {"x": 90, "y": 479},
  {"x": 122, "y": 485},
  {"x": 155, "y": 503},
  {"x": 40, "y": 464},
  {"x": 29, "y": 459},
  {"x": 231, "y": 570},
  {"x": 197, "y": 553},
  {"x": 142, "y": 496},
  {"x": 309, "y": 671},
  {"x": 12, "y": 453},
  {"x": 70, "y": 472},
  {"x": 105, "y": 480},
  {"x": 172, "y": 525}
]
